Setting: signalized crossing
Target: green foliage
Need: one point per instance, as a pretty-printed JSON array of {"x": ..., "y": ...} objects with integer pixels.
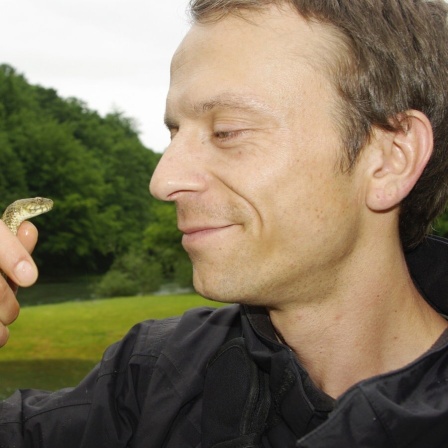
[
  {"x": 116, "y": 284},
  {"x": 134, "y": 272},
  {"x": 94, "y": 168},
  {"x": 441, "y": 225},
  {"x": 162, "y": 239},
  {"x": 12, "y": 175},
  {"x": 183, "y": 272}
]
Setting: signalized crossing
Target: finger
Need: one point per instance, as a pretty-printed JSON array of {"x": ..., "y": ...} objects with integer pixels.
[
  {"x": 15, "y": 261},
  {"x": 27, "y": 235},
  {"x": 9, "y": 307},
  {"x": 4, "y": 335},
  {"x": 12, "y": 285}
]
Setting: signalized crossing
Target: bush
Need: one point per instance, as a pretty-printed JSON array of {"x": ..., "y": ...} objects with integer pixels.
[
  {"x": 183, "y": 273},
  {"x": 116, "y": 284},
  {"x": 139, "y": 274}
]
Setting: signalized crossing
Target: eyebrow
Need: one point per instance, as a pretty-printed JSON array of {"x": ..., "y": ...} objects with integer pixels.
[
  {"x": 232, "y": 101},
  {"x": 227, "y": 101}
]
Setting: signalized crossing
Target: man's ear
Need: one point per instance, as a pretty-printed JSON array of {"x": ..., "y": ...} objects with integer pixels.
[{"x": 398, "y": 161}]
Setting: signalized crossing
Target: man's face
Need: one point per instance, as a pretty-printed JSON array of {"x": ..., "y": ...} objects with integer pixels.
[{"x": 252, "y": 167}]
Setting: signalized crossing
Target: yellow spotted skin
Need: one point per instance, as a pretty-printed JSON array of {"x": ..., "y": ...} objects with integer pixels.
[{"x": 24, "y": 209}]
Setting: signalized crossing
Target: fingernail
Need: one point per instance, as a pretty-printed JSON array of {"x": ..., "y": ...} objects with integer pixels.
[{"x": 25, "y": 273}]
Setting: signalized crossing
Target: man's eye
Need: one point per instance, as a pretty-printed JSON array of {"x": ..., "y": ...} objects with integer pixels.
[{"x": 227, "y": 135}]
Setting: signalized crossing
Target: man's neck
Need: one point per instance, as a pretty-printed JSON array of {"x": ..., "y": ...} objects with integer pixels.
[{"x": 375, "y": 325}]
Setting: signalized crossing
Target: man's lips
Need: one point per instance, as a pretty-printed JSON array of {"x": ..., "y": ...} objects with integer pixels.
[{"x": 195, "y": 233}]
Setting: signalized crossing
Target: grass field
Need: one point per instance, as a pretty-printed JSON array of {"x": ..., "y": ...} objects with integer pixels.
[{"x": 54, "y": 346}]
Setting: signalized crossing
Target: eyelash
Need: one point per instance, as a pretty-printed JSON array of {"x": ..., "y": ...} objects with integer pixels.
[
  {"x": 227, "y": 135},
  {"x": 222, "y": 136}
]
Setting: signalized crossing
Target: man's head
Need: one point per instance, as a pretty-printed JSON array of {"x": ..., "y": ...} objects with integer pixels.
[
  {"x": 260, "y": 128},
  {"x": 390, "y": 56}
]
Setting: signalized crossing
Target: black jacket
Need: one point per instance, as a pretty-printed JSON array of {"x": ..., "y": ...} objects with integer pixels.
[{"x": 218, "y": 378}]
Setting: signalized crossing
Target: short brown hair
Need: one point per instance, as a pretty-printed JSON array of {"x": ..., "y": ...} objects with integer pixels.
[{"x": 393, "y": 58}]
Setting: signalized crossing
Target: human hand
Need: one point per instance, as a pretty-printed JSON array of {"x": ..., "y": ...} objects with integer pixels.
[{"x": 19, "y": 267}]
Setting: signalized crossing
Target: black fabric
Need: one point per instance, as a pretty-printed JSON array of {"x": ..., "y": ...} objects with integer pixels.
[
  {"x": 234, "y": 382},
  {"x": 407, "y": 408},
  {"x": 298, "y": 405},
  {"x": 153, "y": 389},
  {"x": 428, "y": 264}
]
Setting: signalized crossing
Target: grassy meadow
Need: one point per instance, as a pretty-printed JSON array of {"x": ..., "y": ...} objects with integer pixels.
[{"x": 54, "y": 346}]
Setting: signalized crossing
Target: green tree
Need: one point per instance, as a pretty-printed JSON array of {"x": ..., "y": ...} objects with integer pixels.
[
  {"x": 12, "y": 175},
  {"x": 162, "y": 240},
  {"x": 95, "y": 169},
  {"x": 134, "y": 272}
]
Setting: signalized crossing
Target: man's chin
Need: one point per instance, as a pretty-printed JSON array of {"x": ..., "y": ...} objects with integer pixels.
[
  {"x": 225, "y": 295},
  {"x": 214, "y": 296}
]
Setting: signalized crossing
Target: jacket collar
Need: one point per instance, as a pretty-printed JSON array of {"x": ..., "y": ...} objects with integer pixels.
[{"x": 388, "y": 410}]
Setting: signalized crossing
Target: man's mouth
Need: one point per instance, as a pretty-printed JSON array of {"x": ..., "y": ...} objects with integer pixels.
[{"x": 193, "y": 234}]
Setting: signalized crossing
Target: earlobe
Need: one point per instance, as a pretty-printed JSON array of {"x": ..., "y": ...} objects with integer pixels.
[{"x": 401, "y": 157}]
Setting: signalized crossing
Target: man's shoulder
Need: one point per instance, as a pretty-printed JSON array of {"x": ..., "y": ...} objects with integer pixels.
[
  {"x": 195, "y": 335},
  {"x": 193, "y": 328}
]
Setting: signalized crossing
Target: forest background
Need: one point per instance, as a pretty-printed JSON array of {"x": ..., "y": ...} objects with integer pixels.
[
  {"x": 104, "y": 224},
  {"x": 97, "y": 171}
]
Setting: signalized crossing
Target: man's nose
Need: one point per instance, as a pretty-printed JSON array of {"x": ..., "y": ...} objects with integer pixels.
[{"x": 179, "y": 170}]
